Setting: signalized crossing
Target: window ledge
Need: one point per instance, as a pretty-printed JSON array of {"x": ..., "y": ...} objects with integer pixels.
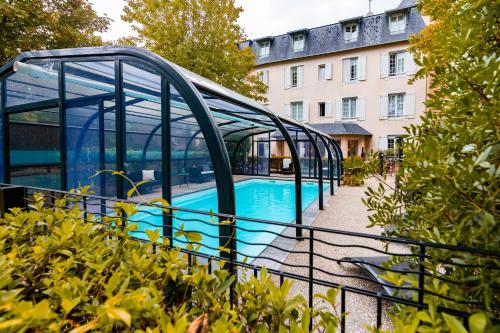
[{"x": 397, "y": 32}]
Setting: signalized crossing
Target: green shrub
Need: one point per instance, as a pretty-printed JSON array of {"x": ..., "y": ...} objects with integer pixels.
[
  {"x": 449, "y": 179},
  {"x": 354, "y": 171},
  {"x": 61, "y": 273}
]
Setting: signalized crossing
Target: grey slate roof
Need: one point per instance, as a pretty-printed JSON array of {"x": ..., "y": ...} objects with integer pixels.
[
  {"x": 334, "y": 129},
  {"x": 373, "y": 30},
  {"x": 341, "y": 129}
]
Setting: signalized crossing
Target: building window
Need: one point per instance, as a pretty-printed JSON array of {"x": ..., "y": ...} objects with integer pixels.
[
  {"x": 298, "y": 42},
  {"x": 349, "y": 108},
  {"x": 351, "y": 32},
  {"x": 297, "y": 110},
  {"x": 322, "y": 72},
  {"x": 294, "y": 76},
  {"x": 321, "y": 109},
  {"x": 264, "y": 77},
  {"x": 264, "y": 48},
  {"x": 353, "y": 69},
  {"x": 397, "y": 23},
  {"x": 396, "y": 63},
  {"x": 396, "y": 105},
  {"x": 393, "y": 142}
]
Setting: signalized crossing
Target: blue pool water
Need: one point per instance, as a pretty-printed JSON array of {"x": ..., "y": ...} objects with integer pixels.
[{"x": 255, "y": 198}]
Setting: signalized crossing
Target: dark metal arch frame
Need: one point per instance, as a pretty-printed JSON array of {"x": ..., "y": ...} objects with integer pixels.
[
  {"x": 189, "y": 88},
  {"x": 192, "y": 97}
]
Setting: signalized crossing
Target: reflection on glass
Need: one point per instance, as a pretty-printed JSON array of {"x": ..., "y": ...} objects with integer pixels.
[
  {"x": 32, "y": 82},
  {"x": 35, "y": 148}
]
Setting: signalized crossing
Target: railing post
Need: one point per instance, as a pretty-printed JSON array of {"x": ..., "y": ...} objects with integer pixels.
[
  {"x": 421, "y": 277},
  {"x": 381, "y": 163},
  {"x": 10, "y": 197},
  {"x": 311, "y": 271}
]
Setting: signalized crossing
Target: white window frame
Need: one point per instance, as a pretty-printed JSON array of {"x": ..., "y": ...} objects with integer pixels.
[
  {"x": 349, "y": 108},
  {"x": 353, "y": 69},
  {"x": 321, "y": 105},
  {"x": 322, "y": 72},
  {"x": 264, "y": 48},
  {"x": 392, "y": 140},
  {"x": 298, "y": 42},
  {"x": 349, "y": 34},
  {"x": 294, "y": 76},
  {"x": 297, "y": 110},
  {"x": 397, "y": 23},
  {"x": 263, "y": 76},
  {"x": 396, "y": 105},
  {"x": 397, "y": 63}
]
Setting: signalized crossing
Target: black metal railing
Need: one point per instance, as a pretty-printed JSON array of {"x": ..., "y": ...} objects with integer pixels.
[{"x": 359, "y": 264}]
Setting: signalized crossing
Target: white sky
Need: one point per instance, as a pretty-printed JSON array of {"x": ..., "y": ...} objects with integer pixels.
[{"x": 267, "y": 17}]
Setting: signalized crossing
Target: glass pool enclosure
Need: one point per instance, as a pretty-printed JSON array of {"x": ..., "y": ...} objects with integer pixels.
[{"x": 69, "y": 113}]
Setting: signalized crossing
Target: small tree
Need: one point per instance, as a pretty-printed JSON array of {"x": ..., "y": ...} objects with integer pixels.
[
  {"x": 199, "y": 35},
  {"x": 47, "y": 24},
  {"x": 449, "y": 180}
]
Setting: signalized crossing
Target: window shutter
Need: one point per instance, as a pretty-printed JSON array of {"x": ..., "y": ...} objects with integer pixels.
[
  {"x": 300, "y": 76},
  {"x": 410, "y": 66},
  {"x": 338, "y": 109},
  {"x": 287, "y": 77},
  {"x": 409, "y": 108},
  {"x": 328, "y": 71},
  {"x": 288, "y": 110},
  {"x": 305, "y": 111},
  {"x": 362, "y": 68},
  {"x": 382, "y": 143},
  {"x": 346, "y": 70},
  {"x": 360, "y": 108},
  {"x": 384, "y": 64},
  {"x": 384, "y": 105},
  {"x": 328, "y": 109},
  {"x": 266, "y": 77}
]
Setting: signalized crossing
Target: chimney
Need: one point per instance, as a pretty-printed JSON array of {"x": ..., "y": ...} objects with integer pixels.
[{"x": 369, "y": 8}]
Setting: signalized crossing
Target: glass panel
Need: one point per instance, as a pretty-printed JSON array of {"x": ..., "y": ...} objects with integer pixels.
[
  {"x": 83, "y": 135},
  {"x": 33, "y": 82},
  {"x": 83, "y": 79},
  {"x": 48, "y": 176},
  {"x": 191, "y": 164},
  {"x": 90, "y": 120},
  {"x": 35, "y": 148},
  {"x": 34, "y": 137},
  {"x": 143, "y": 161},
  {"x": 262, "y": 153},
  {"x": 1, "y": 134}
]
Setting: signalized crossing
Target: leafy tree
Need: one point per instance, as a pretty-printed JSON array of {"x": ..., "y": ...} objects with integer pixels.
[
  {"x": 48, "y": 24},
  {"x": 200, "y": 35},
  {"x": 449, "y": 180}
]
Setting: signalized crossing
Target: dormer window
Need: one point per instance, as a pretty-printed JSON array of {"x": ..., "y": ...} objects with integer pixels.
[
  {"x": 298, "y": 42},
  {"x": 397, "y": 23},
  {"x": 351, "y": 32},
  {"x": 264, "y": 48}
]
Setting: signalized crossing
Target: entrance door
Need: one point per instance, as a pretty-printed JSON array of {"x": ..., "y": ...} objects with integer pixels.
[{"x": 352, "y": 148}]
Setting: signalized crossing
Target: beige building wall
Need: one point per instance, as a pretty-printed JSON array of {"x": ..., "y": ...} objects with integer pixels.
[{"x": 371, "y": 89}]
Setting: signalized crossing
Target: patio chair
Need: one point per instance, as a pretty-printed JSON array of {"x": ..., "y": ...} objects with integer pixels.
[
  {"x": 287, "y": 166},
  {"x": 369, "y": 266}
]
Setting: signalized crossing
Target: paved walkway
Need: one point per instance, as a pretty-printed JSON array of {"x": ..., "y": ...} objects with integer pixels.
[{"x": 345, "y": 211}]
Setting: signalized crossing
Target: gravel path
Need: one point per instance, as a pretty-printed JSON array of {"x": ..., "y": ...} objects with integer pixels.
[{"x": 344, "y": 211}]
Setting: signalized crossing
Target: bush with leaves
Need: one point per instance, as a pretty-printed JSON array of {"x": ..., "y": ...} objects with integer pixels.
[
  {"x": 354, "y": 171},
  {"x": 449, "y": 180},
  {"x": 59, "y": 272}
]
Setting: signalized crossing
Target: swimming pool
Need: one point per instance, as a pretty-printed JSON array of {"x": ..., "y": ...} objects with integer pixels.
[{"x": 255, "y": 198}]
